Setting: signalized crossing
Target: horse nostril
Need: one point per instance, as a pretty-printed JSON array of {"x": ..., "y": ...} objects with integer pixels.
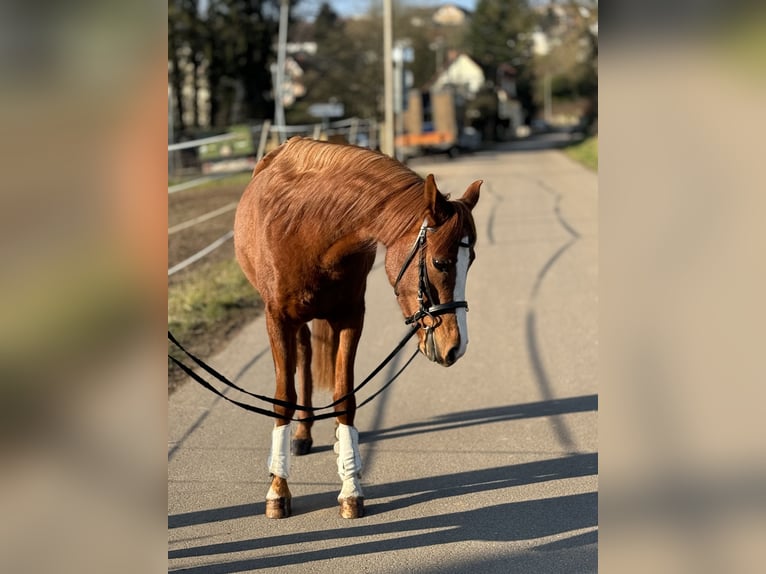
[{"x": 451, "y": 356}]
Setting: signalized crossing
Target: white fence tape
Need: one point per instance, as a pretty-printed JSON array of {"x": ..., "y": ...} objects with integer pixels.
[
  {"x": 195, "y": 182},
  {"x": 201, "y": 218},
  {"x": 202, "y": 141},
  {"x": 200, "y": 254}
]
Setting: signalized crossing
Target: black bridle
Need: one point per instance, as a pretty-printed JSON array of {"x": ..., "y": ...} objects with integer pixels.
[{"x": 425, "y": 299}]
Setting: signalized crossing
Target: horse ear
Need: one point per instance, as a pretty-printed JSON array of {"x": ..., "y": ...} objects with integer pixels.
[
  {"x": 471, "y": 196},
  {"x": 436, "y": 204},
  {"x": 430, "y": 192}
]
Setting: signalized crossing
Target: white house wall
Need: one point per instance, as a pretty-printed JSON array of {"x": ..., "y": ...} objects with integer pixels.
[{"x": 463, "y": 71}]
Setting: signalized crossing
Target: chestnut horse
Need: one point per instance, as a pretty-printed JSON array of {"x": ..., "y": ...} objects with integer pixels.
[{"x": 305, "y": 235}]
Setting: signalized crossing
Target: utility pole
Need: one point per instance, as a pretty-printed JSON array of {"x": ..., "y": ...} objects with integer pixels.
[
  {"x": 387, "y": 141},
  {"x": 279, "y": 106}
]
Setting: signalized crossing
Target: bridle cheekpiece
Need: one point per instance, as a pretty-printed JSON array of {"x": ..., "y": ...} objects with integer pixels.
[{"x": 429, "y": 311}]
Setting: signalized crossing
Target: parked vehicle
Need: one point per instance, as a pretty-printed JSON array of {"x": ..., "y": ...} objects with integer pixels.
[{"x": 433, "y": 123}]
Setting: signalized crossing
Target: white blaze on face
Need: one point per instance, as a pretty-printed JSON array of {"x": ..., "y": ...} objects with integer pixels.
[{"x": 461, "y": 274}]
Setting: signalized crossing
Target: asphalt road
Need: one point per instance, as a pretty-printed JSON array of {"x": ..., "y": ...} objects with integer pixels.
[{"x": 487, "y": 466}]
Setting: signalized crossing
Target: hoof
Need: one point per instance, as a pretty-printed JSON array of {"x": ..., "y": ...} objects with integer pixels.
[
  {"x": 278, "y": 507},
  {"x": 301, "y": 446},
  {"x": 352, "y": 507}
]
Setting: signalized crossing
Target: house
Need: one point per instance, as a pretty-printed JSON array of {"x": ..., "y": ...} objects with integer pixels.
[
  {"x": 292, "y": 86},
  {"x": 450, "y": 15},
  {"x": 461, "y": 73}
]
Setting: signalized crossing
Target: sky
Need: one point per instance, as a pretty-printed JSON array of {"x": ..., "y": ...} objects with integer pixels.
[
  {"x": 352, "y": 7},
  {"x": 310, "y": 8}
]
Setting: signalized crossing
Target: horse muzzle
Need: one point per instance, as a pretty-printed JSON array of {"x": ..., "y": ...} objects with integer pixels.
[{"x": 430, "y": 349}]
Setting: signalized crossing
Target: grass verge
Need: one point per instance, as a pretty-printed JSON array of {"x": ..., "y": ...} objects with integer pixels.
[
  {"x": 237, "y": 179},
  {"x": 206, "y": 309},
  {"x": 585, "y": 152}
]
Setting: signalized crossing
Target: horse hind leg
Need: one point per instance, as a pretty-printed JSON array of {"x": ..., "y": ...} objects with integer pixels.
[{"x": 302, "y": 441}]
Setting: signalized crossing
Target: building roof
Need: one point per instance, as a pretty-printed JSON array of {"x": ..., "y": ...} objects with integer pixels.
[{"x": 450, "y": 15}]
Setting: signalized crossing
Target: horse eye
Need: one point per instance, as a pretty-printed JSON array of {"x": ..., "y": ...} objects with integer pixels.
[{"x": 442, "y": 264}]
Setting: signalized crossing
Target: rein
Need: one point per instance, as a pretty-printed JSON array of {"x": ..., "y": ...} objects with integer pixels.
[
  {"x": 424, "y": 287},
  {"x": 186, "y": 369},
  {"x": 432, "y": 312}
]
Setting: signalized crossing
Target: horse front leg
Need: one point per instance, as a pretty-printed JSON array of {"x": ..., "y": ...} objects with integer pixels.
[
  {"x": 351, "y": 497},
  {"x": 283, "y": 349}
]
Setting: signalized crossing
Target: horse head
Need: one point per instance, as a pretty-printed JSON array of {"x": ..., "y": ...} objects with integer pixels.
[{"x": 429, "y": 272}]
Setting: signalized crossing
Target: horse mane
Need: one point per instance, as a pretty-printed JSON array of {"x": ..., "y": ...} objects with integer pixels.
[{"x": 341, "y": 185}]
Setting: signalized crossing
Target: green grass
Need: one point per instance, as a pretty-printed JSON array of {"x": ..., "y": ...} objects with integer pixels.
[
  {"x": 740, "y": 48},
  {"x": 237, "y": 179},
  {"x": 210, "y": 297},
  {"x": 585, "y": 152}
]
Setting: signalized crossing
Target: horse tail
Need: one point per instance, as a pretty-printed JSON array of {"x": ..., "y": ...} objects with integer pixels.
[{"x": 324, "y": 349}]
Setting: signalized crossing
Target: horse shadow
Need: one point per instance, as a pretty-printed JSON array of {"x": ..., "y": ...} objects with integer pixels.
[
  {"x": 509, "y": 521},
  {"x": 506, "y": 522},
  {"x": 448, "y": 421},
  {"x": 464, "y": 419}
]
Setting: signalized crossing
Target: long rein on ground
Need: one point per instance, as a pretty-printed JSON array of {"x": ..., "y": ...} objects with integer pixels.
[{"x": 426, "y": 317}]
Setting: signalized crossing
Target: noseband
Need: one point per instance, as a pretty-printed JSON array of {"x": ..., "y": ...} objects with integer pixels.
[{"x": 424, "y": 287}]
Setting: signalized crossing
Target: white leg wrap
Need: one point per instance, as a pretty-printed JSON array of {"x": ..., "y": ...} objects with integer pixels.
[
  {"x": 349, "y": 461},
  {"x": 279, "y": 459}
]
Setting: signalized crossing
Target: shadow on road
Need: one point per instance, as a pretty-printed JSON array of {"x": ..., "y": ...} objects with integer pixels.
[
  {"x": 174, "y": 449},
  {"x": 450, "y": 485},
  {"x": 553, "y": 407},
  {"x": 512, "y": 521}
]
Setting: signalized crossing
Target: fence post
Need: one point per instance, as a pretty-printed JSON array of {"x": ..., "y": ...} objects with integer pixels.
[
  {"x": 352, "y": 130},
  {"x": 265, "y": 128},
  {"x": 373, "y": 127}
]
